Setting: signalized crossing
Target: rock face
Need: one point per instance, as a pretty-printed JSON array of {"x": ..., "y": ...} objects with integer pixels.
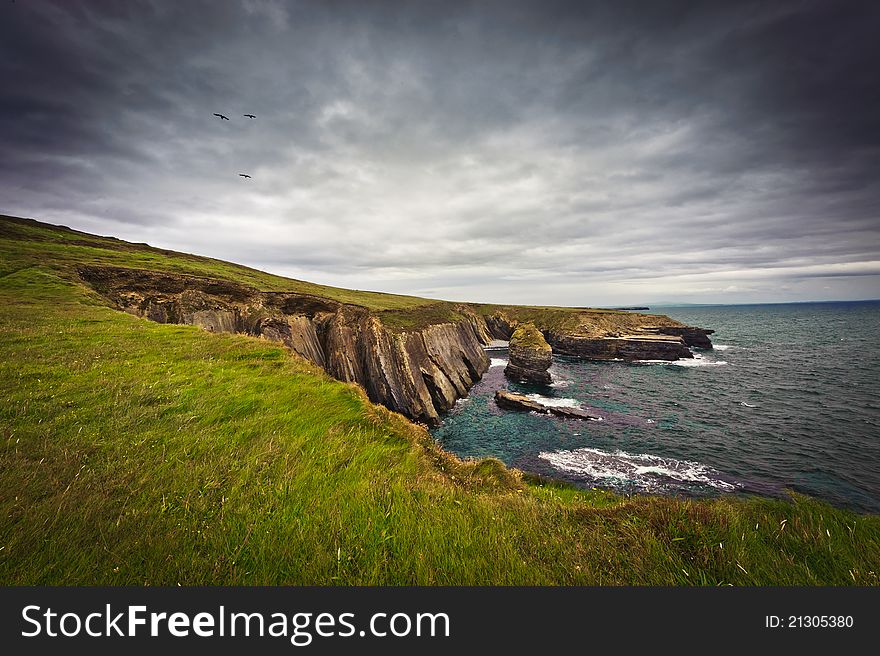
[
  {"x": 529, "y": 355},
  {"x": 499, "y": 327},
  {"x": 512, "y": 401}
]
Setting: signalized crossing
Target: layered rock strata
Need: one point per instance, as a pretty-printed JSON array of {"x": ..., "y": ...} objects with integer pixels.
[
  {"x": 696, "y": 337},
  {"x": 529, "y": 355},
  {"x": 620, "y": 347}
]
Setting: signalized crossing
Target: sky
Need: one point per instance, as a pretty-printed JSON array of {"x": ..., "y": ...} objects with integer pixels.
[{"x": 549, "y": 153}]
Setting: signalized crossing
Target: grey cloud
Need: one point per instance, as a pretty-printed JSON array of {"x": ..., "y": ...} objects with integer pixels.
[{"x": 563, "y": 152}]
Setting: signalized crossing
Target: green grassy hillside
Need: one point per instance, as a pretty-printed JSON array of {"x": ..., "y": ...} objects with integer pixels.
[
  {"x": 140, "y": 453},
  {"x": 25, "y": 242}
]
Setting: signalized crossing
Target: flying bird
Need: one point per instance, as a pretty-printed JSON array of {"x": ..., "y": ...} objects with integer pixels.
[
  {"x": 249, "y": 115},
  {"x": 225, "y": 118},
  {"x": 244, "y": 175}
]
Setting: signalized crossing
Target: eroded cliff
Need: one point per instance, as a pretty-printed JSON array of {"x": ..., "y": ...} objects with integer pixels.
[{"x": 419, "y": 372}]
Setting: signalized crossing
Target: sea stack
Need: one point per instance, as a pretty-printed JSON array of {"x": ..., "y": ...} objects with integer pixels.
[{"x": 529, "y": 355}]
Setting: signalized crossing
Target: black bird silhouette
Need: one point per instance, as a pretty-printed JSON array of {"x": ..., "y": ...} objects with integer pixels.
[
  {"x": 244, "y": 175},
  {"x": 249, "y": 115},
  {"x": 225, "y": 118}
]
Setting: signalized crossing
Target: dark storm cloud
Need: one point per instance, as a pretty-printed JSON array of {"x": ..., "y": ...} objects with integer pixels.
[{"x": 534, "y": 152}]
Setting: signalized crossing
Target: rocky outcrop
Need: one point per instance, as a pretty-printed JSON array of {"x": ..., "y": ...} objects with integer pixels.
[
  {"x": 511, "y": 401},
  {"x": 620, "y": 347},
  {"x": 646, "y": 343},
  {"x": 602, "y": 334},
  {"x": 529, "y": 355},
  {"x": 696, "y": 337}
]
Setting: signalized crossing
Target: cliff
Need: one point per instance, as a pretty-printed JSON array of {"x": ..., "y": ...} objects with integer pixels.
[{"x": 419, "y": 371}]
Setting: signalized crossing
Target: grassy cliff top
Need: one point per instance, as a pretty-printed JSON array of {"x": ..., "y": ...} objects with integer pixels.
[
  {"x": 586, "y": 322},
  {"x": 24, "y": 242},
  {"x": 528, "y": 336}
]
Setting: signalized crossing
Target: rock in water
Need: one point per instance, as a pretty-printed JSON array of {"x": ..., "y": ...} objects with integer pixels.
[
  {"x": 529, "y": 355},
  {"x": 512, "y": 401}
]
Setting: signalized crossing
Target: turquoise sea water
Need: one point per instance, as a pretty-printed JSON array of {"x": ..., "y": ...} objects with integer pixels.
[{"x": 789, "y": 398}]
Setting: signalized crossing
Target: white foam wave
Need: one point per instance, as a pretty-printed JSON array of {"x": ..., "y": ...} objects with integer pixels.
[
  {"x": 722, "y": 347},
  {"x": 697, "y": 361},
  {"x": 560, "y": 383},
  {"x": 640, "y": 470},
  {"x": 497, "y": 362},
  {"x": 554, "y": 402},
  {"x": 747, "y": 405}
]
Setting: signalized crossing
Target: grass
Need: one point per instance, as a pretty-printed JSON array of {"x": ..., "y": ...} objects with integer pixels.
[
  {"x": 416, "y": 318},
  {"x": 26, "y": 242},
  {"x": 139, "y": 453},
  {"x": 528, "y": 337},
  {"x": 586, "y": 322}
]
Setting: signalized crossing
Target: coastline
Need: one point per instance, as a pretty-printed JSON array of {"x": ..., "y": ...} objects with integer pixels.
[
  {"x": 761, "y": 408},
  {"x": 136, "y": 452}
]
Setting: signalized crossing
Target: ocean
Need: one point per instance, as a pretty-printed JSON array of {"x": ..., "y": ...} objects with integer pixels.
[{"x": 788, "y": 399}]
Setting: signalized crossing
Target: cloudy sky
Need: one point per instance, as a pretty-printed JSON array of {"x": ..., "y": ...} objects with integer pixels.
[{"x": 536, "y": 152}]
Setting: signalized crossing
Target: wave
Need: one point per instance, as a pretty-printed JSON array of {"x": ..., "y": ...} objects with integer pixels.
[
  {"x": 497, "y": 362},
  {"x": 697, "y": 361},
  {"x": 722, "y": 347},
  {"x": 554, "y": 402},
  {"x": 641, "y": 471},
  {"x": 560, "y": 383},
  {"x": 747, "y": 405}
]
